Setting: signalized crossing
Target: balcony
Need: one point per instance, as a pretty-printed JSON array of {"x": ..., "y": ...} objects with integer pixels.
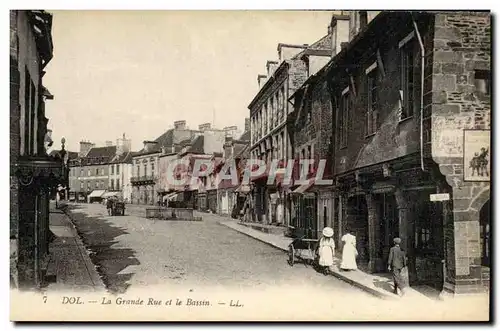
[{"x": 144, "y": 180}]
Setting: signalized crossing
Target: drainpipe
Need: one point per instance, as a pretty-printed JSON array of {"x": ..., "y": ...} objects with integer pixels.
[{"x": 422, "y": 53}]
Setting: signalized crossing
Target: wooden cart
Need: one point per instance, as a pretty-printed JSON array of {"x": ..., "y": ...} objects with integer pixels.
[
  {"x": 302, "y": 249},
  {"x": 116, "y": 208}
]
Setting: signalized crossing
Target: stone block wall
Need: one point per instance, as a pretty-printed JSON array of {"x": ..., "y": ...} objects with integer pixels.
[{"x": 462, "y": 45}]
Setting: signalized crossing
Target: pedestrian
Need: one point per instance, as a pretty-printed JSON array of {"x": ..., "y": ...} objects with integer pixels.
[
  {"x": 326, "y": 250},
  {"x": 349, "y": 252},
  {"x": 109, "y": 205},
  {"x": 396, "y": 264}
]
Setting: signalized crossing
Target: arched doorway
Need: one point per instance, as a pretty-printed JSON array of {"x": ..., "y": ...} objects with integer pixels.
[{"x": 484, "y": 227}]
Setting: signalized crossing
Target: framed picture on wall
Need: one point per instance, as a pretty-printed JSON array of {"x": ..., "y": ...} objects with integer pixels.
[{"x": 477, "y": 163}]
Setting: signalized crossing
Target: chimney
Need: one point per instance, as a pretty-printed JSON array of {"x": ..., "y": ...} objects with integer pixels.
[
  {"x": 247, "y": 124},
  {"x": 261, "y": 79},
  {"x": 287, "y": 51},
  {"x": 204, "y": 127},
  {"x": 271, "y": 67},
  {"x": 180, "y": 125},
  {"x": 85, "y": 147},
  {"x": 339, "y": 27},
  {"x": 108, "y": 143}
]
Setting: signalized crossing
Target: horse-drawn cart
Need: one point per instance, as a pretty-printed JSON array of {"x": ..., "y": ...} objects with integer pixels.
[
  {"x": 115, "y": 207},
  {"x": 302, "y": 249}
]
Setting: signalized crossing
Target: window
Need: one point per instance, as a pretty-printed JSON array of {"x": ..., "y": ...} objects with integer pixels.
[
  {"x": 145, "y": 169},
  {"x": 81, "y": 172},
  {"x": 344, "y": 118},
  {"x": 29, "y": 113},
  {"x": 152, "y": 169},
  {"x": 97, "y": 184},
  {"x": 112, "y": 184},
  {"x": 118, "y": 184},
  {"x": 88, "y": 173},
  {"x": 97, "y": 172},
  {"x": 138, "y": 171},
  {"x": 407, "y": 92},
  {"x": 482, "y": 81},
  {"x": 113, "y": 169},
  {"x": 88, "y": 186},
  {"x": 81, "y": 186},
  {"x": 117, "y": 169},
  {"x": 372, "y": 107}
]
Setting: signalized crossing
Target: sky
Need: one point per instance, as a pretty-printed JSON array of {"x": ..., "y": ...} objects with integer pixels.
[{"x": 136, "y": 72}]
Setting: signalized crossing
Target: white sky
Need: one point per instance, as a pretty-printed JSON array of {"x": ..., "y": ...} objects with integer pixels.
[{"x": 136, "y": 72}]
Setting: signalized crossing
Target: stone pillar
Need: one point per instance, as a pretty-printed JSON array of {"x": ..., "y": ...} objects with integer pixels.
[
  {"x": 407, "y": 203},
  {"x": 373, "y": 233},
  {"x": 404, "y": 215}
]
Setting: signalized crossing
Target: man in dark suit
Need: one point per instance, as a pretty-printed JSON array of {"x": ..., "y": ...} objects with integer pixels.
[{"x": 397, "y": 261}]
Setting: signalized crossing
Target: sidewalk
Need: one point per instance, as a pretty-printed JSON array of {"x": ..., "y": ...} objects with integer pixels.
[
  {"x": 70, "y": 263},
  {"x": 377, "y": 285}
]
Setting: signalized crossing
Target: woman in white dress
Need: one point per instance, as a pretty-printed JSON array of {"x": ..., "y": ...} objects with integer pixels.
[
  {"x": 349, "y": 252},
  {"x": 326, "y": 250}
]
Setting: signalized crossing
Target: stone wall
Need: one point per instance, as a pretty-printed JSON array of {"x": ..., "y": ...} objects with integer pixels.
[
  {"x": 14, "y": 124},
  {"x": 462, "y": 45}
]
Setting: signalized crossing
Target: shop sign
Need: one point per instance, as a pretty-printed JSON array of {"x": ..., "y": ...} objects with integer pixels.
[{"x": 440, "y": 197}]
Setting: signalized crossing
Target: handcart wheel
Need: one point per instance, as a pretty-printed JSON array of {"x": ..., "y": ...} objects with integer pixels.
[{"x": 291, "y": 255}]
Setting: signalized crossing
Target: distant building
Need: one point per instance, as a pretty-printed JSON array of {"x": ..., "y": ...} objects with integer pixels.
[
  {"x": 146, "y": 187},
  {"x": 269, "y": 111},
  {"x": 89, "y": 173},
  {"x": 120, "y": 170}
]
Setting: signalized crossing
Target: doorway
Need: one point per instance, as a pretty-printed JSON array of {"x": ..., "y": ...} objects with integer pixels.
[{"x": 388, "y": 215}]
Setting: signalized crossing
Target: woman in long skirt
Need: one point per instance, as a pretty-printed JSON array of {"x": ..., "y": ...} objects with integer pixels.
[
  {"x": 326, "y": 250},
  {"x": 349, "y": 252}
]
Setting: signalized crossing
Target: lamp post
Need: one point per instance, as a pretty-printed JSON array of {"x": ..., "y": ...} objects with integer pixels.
[{"x": 62, "y": 154}]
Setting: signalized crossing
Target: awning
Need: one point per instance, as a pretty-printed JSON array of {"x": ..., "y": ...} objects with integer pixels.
[
  {"x": 97, "y": 193},
  {"x": 110, "y": 194},
  {"x": 170, "y": 196},
  {"x": 243, "y": 188},
  {"x": 304, "y": 187}
]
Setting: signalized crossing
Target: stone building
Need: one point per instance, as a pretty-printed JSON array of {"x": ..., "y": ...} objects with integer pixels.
[
  {"x": 146, "y": 187},
  {"x": 269, "y": 112},
  {"x": 411, "y": 118},
  {"x": 89, "y": 173},
  {"x": 120, "y": 170},
  {"x": 228, "y": 196},
  {"x": 34, "y": 175},
  {"x": 311, "y": 133}
]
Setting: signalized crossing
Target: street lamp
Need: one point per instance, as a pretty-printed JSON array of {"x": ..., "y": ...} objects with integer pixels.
[{"x": 62, "y": 154}]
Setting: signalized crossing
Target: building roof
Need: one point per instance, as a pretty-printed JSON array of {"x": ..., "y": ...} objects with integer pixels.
[
  {"x": 324, "y": 43},
  {"x": 197, "y": 145},
  {"x": 71, "y": 155},
  {"x": 124, "y": 158},
  {"x": 245, "y": 136},
  {"x": 102, "y": 152},
  {"x": 169, "y": 139}
]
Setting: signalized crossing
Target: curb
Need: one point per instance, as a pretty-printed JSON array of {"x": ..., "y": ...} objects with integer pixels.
[
  {"x": 369, "y": 290},
  {"x": 91, "y": 267},
  {"x": 251, "y": 236}
]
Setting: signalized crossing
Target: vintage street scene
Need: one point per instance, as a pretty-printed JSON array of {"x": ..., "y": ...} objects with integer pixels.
[{"x": 341, "y": 153}]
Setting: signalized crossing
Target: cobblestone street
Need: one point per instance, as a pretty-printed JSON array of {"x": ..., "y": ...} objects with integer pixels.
[{"x": 133, "y": 251}]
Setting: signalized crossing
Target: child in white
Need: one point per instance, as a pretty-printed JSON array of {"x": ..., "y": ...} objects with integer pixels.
[{"x": 326, "y": 250}]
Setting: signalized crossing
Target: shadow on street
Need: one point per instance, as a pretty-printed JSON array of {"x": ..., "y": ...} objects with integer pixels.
[{"x": 98, "y": 236}]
